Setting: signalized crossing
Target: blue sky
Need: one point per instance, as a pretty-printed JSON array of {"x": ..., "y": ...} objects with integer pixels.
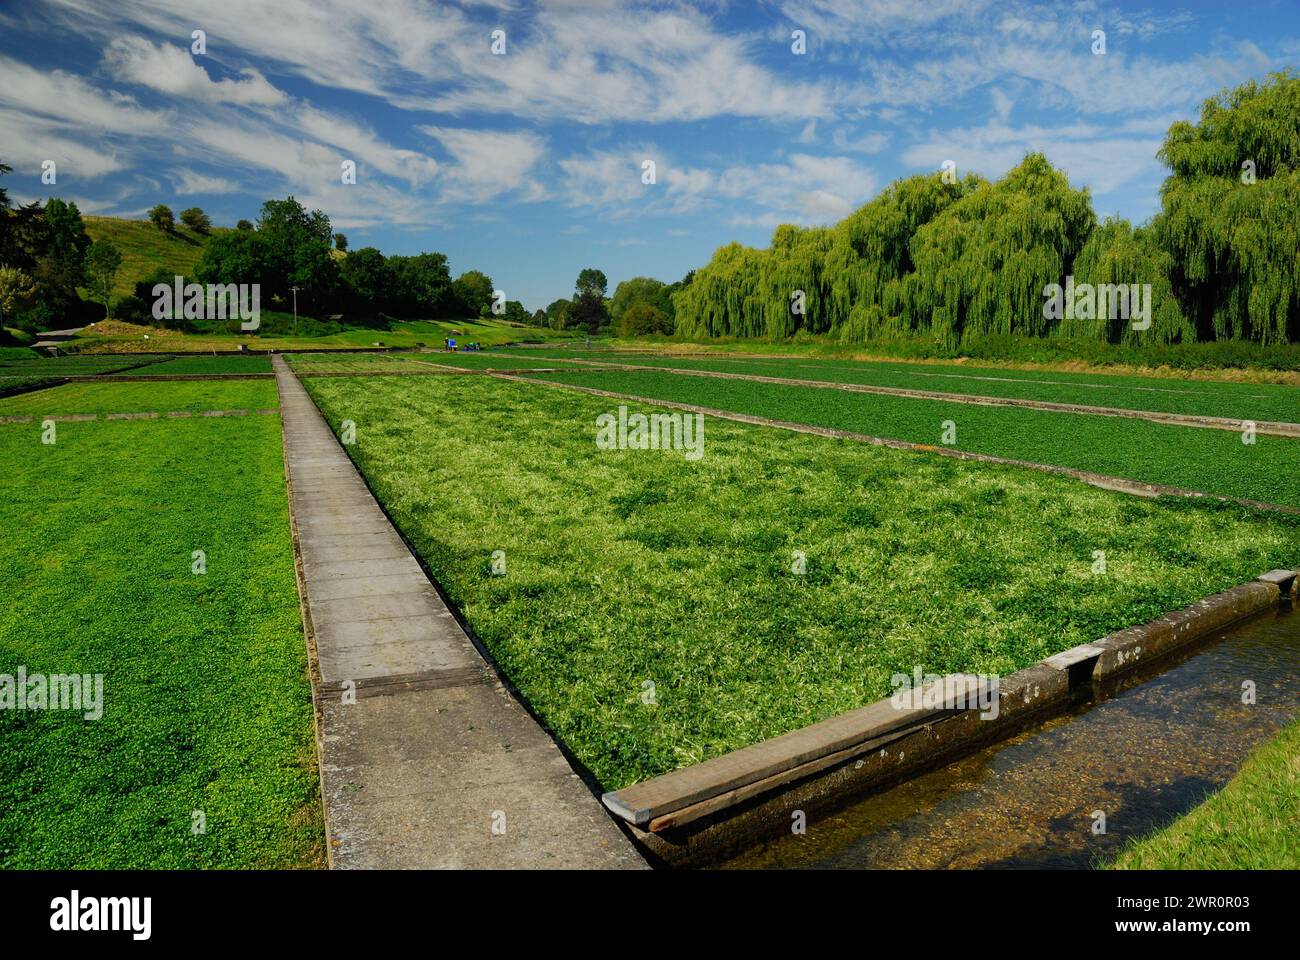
[{"x": 528, "y": 165}]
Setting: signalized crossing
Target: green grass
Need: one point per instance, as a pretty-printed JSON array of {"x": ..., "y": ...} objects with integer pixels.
[
  {"x": 1198, "y": 397},
  {"x": 1253, "y": 823},
  {"x": 145, "y": 248},
  {"x": 206, "y": 702},
  {"x": 1276, "y": 363},
  {"x": 118, "y": 337},
  {"x": 495, "y": 360},
  {"x": 10, "y": 384},
  {"x": 70, "y": 366},
  {"x": 342, "y": 363},
  {"x": 1211, "y": 461},
  {"x": 632, "y": 566},
  {"x": 138, "y": 397},
  {"x": 207, "y": 365}
]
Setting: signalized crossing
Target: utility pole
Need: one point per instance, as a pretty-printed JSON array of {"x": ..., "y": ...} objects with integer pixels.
[{"x": 295, "y": 310}]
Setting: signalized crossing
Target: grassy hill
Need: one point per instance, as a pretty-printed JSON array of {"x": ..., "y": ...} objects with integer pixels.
[{"x": 145, "y": 248}]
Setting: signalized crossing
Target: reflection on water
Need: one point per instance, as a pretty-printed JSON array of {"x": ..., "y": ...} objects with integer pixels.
[{"x": 1142, "y": 755}]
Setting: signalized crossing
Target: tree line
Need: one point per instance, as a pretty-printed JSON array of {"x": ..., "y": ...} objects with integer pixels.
[
  {"x": 951, "y": 259},
  {"x": 640, "y": 306},
  {"x": 47, "y": 258}
]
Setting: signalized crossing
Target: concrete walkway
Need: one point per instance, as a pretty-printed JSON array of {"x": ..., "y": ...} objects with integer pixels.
[{"x": 426, "y": 760}]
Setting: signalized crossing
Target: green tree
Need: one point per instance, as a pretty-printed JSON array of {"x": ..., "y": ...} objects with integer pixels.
[
  {"x": 982, "y": 263},
  {"x": 341, "y": 242},
  {"x": 244, "y": 225},
  {"x": 61, "y": 267},
  {"x": 232, "y": 257},
  {"x": 1117, "y": 254},
  {"x": 369, "y": 277},
  {"x": 473, "y": 290},
  {"x": 1230, "y": 210},
  {"x": 642, "y": 319},
  {"x": 515, "y": 312},
  {"x": 161, "y": 217},
  {"x": 557, "y": 313},
  {"x": 422, "y": 285},
  {"x": 591, "y": 279},
  {"x": 196, "y": 220},
  {"x": 589, "y": 311},
  {"x": 103, "y": 260},
  {"x": 295, "y": 248},
  {"x": 645, "y": 290},
  {"x": 17, "y": 294}
]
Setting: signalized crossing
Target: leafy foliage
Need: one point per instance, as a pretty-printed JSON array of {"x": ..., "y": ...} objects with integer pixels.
[
  {"x": 1231, "y": 213},
  {"x": 952, "y": 262},
  {"x": 196, "y": 220},
  {"x": 161, "y": 216},
  {"x": 473, "y": 290},
  {"x": 103, "y": 260}
]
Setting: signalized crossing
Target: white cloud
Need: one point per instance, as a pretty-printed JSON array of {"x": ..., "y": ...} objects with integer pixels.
[
  {"x": 489, "y": 163},
  {"x": 188, "y": 182},
  {"x": 804, "y": 189},
  {"x": 72, "y": 100},
  {"x": 872, "y": 142},
  {"x": 171, "y": 70},
  {"x": 1104, "y": 157},
  {"x": 595, "y": 63},
  {"x": 30, "y": 141}
]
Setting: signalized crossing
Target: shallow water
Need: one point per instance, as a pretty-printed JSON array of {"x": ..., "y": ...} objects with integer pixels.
[{"x": 1143, "y": 755}]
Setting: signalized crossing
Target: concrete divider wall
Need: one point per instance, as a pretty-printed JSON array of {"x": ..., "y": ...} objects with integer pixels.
[{"x": 711, "y": 827}]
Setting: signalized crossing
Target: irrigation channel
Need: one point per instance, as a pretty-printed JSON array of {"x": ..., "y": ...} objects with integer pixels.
[{"x": 1143, "y": 753}]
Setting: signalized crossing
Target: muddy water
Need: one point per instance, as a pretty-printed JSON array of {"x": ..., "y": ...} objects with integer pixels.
[{"x": 1142, "y": 755}]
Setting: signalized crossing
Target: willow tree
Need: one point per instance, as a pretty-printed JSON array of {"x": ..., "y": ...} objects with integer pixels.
[
  {"x": 843, "y": 280},
  {"x": 1117, "y": 256},
  {"x": 872, "y": 254},
  {"x": 982, "y": 264},
  {"x": 1231, "y": 207}
]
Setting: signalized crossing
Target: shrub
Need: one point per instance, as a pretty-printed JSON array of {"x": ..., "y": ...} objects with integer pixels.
[
  {"x": 161, "y": 217},
  {"x": 196, "y": 220}
]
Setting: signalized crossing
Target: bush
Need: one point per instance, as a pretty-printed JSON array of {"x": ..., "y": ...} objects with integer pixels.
[
  {"x": 196, "y": 220},
  {"x": 161, "y": 217},
  {"x": 133, "y": 309},
  {"x": 642, "y": 319}
]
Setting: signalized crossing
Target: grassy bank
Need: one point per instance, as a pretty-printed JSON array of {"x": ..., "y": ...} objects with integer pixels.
[
  {"x": 1251, "y": 824},
  {"x": 1197, "y": 397},
  {"x": 206, "y": 703},
  {"x": 139, "y": 397},
  {"x": 36, "y": 366},
  {"x": 117, "y": 337},
  {"x": 184, "y": 366},
  {"x": 146, "y": 249},
  {"x": 1211, "y": 461},
  {"x": 1061, "y": 356},
  {"x": 626, "y": 567}
]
